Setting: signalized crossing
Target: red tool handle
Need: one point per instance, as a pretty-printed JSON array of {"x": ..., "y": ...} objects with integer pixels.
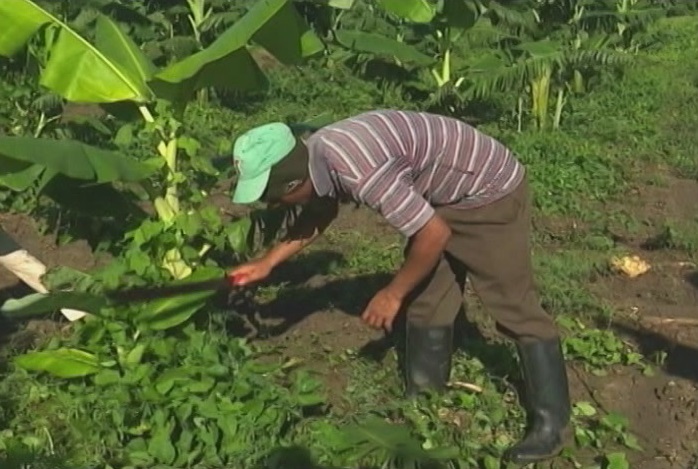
[{"x": 235, "y": 280}]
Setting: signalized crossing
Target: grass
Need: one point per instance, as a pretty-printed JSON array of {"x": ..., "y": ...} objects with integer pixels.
[{"x": 634, "y": 131}]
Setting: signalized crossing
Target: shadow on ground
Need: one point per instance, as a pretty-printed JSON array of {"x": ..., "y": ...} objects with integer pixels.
[
  {"x": 681, "y": 360},
  {"x": 302, "y": 269},
  {"x": 306, "y": 285},
  {"x": 298, "y": 457},
  {"x": 692, "y": 278},
  {"x": 295, "y": 302},
  {"x": 293, "y": 457},
  {"x": 309, "y": 287}
]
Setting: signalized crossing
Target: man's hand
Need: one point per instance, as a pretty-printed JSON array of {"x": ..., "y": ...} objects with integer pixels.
[
  {"x": 251, "y": 272},
  {"x": 425, "y": 250},
  {"x": 382, "y": 309},
  {"x": 314, "y": 219}
]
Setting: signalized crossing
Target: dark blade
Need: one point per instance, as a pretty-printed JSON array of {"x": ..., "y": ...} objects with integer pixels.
[{"x": 128, "y": 295}]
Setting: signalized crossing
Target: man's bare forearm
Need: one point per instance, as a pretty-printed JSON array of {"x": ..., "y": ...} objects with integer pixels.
[
  {"x": 313, "y": 221},
  {"x": 425, "y": 252},
  {"x": 287, "y": 249}
]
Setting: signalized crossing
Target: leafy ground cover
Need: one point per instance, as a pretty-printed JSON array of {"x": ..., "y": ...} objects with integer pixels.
[{"x": 310, "y": 385}]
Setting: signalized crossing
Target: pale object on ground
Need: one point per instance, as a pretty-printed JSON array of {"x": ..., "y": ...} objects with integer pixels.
[
  {"x": 632, "y": 266},
  {"x": 29, "y": 269}
]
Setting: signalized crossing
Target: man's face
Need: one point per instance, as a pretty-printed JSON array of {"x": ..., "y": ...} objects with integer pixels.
[
  {"x": 300, "y": 194},
  {"x": 297, "y": 193}
]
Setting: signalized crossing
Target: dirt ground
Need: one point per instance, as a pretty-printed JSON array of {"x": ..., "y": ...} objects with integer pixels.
[
  {"x": 657, "y": 311},
  {"x": 76, "y": 255}
]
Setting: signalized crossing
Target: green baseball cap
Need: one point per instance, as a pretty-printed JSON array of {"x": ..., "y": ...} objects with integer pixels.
[{"x": 255, "y": 153}]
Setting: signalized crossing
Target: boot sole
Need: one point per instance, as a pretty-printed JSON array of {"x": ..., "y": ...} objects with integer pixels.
[{"x": 565, "y": 437}]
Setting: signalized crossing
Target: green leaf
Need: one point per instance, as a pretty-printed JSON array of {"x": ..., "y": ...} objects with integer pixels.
[
  {"x": 107, "y": 377},
  {"x": 631, "y": 442},
  {"x": 135, "y": 356},
  {"x": 201, "y": 386},
  {"x": 616, "y": 461},
  {"x": 160, "y": 446},
  {"x": 63, "y": 363},
  {"x": 341, "y": 4},
  {"x": 115, "y": 44},
  {"x": 491, "y": 462},
  {"x": 67, "y": 278},
  {"x": 212, "y": 66},
  {"x": 166, "y": 313},
  {"x": 296, "y": 41},
  {"x": 138, "y": 451},
  {"x": 72, "y": 158},
  {"x": 184, "y": 444},
  {"x": 23, "y": 178},
  {"x": 541, "y": 49},
  {"x": 237, "y": 233},
  {"x": 377, "y": 44},
  {"x": 460, "y": 14},
  {"x": 43, "y": 303},
  {"x": 416, "y": 11},
  {"x": 614, "y": 420},
  {"x": 585, "y": 409},
  {"x": 167, "y": 380},
  {"x": 19, "y": 23},
  {"x": 76, "y": 69},
  {"x": 396, "y": 440}
]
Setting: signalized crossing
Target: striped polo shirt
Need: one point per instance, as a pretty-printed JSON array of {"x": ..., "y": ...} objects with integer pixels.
[{"x": 403, "y": 164}]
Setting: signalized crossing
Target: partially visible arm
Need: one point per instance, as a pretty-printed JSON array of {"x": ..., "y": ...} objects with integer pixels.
[
  {"x": 388, "y": 190},
  {"x": 425, "y": 251},
  {"x": 313, "y": 221}
]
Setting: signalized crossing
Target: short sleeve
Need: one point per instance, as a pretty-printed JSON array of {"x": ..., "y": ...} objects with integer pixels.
[{"x": 388, "y": 190}]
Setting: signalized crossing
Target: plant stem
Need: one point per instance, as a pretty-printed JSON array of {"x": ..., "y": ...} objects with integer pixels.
[
  {"x": 145, "y": 112},
  {"x": 540, "y": 91},
  {"x": 558, "y": 107}
]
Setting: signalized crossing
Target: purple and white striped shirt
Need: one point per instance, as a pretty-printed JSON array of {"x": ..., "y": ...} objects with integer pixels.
[{"x": 403, "y": 164}]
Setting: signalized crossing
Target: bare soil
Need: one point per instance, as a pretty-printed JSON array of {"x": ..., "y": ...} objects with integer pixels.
[
  {"x": 658, "y": 312},
  {"x": 77, "y": 255}
]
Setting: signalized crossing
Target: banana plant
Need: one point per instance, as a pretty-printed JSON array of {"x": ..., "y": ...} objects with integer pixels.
[
  {"x": 198, "y": 16},
  {"x": 114, "y": 71},
  {"x": 446, "y": 23},
  {"x": 541, "y": 67},
  {"x": 442, "y": 23}
]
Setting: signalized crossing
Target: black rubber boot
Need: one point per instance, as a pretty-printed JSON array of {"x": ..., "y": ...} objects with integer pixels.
[
  {"x": 428, "y": 352},
  {"x": 548, "y": 402}
]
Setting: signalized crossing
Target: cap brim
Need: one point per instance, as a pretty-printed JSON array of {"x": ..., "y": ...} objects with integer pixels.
[{"x": 248, "y": 191}]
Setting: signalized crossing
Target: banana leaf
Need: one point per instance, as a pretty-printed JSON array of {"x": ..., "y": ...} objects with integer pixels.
[
  {"x": 115, "y": 69},
  {"x": 416, "y": 11},
  {"x": 379, "y": 45},
  {"x": 20, "y": 156},
  {"x": 76, "y": 70}
]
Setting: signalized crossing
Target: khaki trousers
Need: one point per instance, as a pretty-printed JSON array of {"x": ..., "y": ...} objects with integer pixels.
[{"x": 490, "y": 245}]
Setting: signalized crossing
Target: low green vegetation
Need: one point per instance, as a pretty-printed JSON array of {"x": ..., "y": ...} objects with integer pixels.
[{"x": 597, "y": 100}]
